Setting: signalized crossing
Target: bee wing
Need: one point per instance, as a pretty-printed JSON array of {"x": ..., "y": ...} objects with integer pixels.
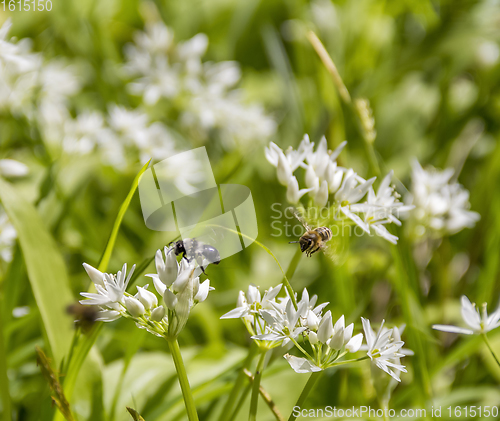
[
  {"x": 301, "y": 219},
  {"x": 334, "y": 250}
]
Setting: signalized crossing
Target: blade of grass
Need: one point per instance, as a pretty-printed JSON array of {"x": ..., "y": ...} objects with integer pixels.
[
  {"x": 103, "y": 264},
  {"x": 45, "y": 266}
]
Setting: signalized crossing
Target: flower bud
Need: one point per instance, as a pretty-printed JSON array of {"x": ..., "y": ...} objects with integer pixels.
[
  {"x": 337, "y": 341},
  {"x": 158, "y": 313},
  {"x": 147, "y": 298},
  {"x": 321, "y": 198},
  {"x": 312, "y": 180},
  {"x": 167, "y": 269},
  {"x": 313, "y": 338},
  {"x": 292, "y": 191},
  {"x": 325, "y": 329},
  {"x": 284, "y": 170},
  {"x": 170, "y": 299},
  {"x": 312, "y": 320},
  {"x": 134, "y": 306}
]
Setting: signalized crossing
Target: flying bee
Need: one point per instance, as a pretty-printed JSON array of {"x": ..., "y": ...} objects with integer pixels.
[
  {"x": 190, "y": 248},
  {"x": 85, "y": 316},
  {"x": 313, "y": 239}
]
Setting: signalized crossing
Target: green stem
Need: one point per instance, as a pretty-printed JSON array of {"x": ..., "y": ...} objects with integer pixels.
[
  {"x": 487, "y": 342},
  {"x": 239, "y": 384},
  {"x": 289, "y": 274},
  {"x": 256, "y": 388},
  {"x": 351, "y": 361},
  {"x": 183, "y": 380},
  {"x": 301, "y": 349},
  {"x": 305, "y": 392},
  {"x": 240, "y": 403}
]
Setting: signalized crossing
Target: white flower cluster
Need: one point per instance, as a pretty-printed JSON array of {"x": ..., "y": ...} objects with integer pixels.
[
  {"x": 163, "y": 69},
  {"x": 30, "y": 86},
  {"x": 478, "y": 322},
  {"x": 40, "y": 91},
  {"x": 121, "y": 130},
  {"x": 441, "y": 205},
  {"x": 273, "y": 321},
  {"x": 177, "y": 284},
  {"x": 324, "y": 177}
]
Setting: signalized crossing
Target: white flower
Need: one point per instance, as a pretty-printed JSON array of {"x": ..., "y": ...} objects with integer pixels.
[
  {"x": 12, "y": 168},
  {"x": 110, "y": 290},
  {"x": 251, "y": 303},
  {"x": 167, "y": 270},
  {"x": 383, "y": 349},
  {"x": 282, "y": 324},
  {"x": 441, "y": 206},
  {"x": 479, "y": 322},
  {"x": 294, "y": 159}
]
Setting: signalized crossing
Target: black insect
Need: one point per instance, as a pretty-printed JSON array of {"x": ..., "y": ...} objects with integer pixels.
[{"x": 190, "y": 248}]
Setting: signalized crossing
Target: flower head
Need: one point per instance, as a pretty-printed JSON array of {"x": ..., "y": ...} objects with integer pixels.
[
  {"x": 384, "y": 349},
  {"x": 478, "y": 321}
]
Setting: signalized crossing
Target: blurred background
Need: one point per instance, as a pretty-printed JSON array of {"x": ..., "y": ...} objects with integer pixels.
[{"x": 90, "y": 91}]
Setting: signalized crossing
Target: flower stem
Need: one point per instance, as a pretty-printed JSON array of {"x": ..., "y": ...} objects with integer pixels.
[
  {"x": 183, "y": 380},
  {"x": 487, "y": 342},
  {"x": 305, "y": 392},
  {"x": 289, "y": 274},
  {"x": 239, "y": 384},
  {"x": 256, "y": 388},
  {"x": 351, "y": 361}
]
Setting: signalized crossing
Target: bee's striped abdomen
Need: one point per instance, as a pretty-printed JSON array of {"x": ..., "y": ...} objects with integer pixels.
[{"x": 324, "y": 232}]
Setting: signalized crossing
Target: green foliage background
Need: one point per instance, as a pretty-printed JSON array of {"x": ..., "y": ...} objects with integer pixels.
[{"x": 434, "y": 97}]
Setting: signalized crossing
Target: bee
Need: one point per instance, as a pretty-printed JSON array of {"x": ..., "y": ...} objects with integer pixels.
[
  {"x": 85, "y": 316},
  {"x": 313, "y": 239},
  {"x": 190, "y": 248}
]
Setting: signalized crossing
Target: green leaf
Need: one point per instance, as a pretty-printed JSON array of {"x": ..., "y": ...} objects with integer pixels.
[
  {"x": 103, "y": 264},
  {"x": 46, "y": 269}
]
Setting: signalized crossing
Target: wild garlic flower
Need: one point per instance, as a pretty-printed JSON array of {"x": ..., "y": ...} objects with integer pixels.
[
  {"x": 110, "y": 295},
  {"x": 180, "y": 288},
  {"x": 384, "y": 349},
  {"x": 340, "y": 189},
  {"x": 273, "y": 321},
  {"x": 478, "y": 321},
  {"x": 177, "y": 284},
  {"x": 162, "y": 69},
  {"x": 441, "y": 205}
]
